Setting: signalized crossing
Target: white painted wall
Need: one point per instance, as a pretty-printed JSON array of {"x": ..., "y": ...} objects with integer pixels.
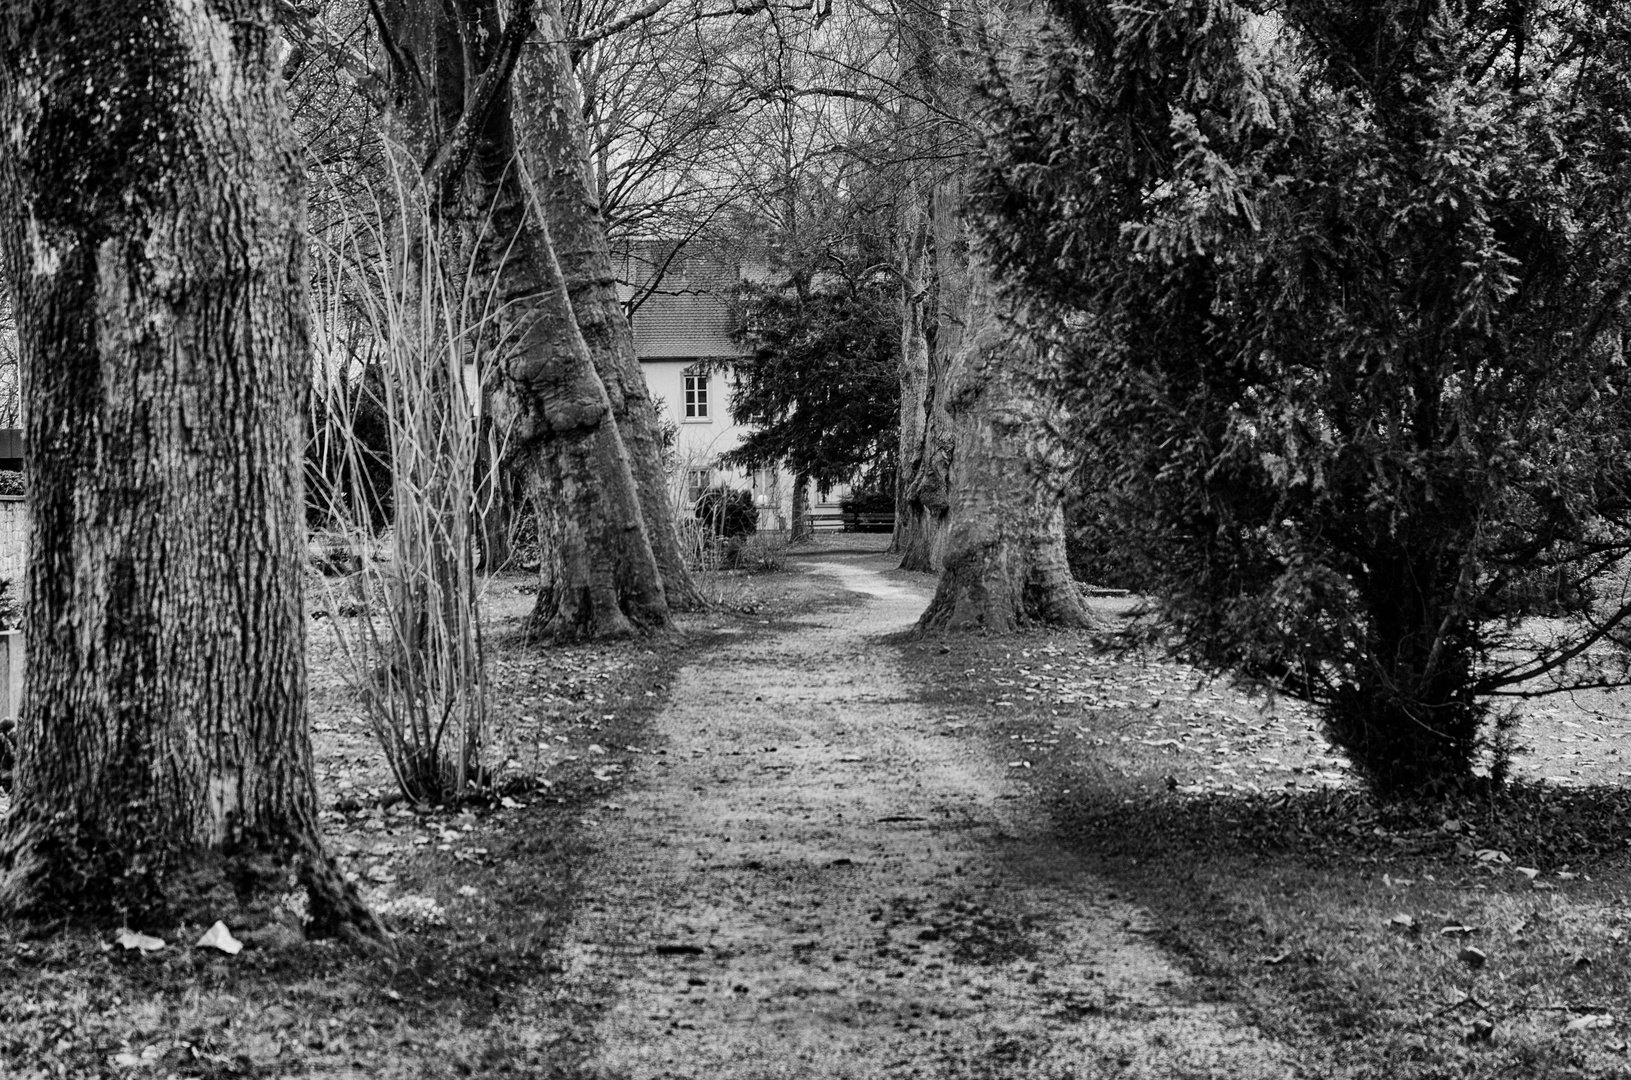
[{"x": 13, "y": 542}]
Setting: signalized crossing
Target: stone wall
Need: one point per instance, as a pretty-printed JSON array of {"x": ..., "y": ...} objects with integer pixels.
[{"x": 13, "y": 541}]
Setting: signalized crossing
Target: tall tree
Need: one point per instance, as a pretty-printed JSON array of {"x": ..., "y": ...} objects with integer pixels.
[
  {"x": 820, "y": 387},
  {"x": 451, "y": 69},
  {"x": 927, "y": 245},
  {"x": 991, "y": 465},
  {"x": 152, "y": 225},
  {"x": 556, "y": 138}
]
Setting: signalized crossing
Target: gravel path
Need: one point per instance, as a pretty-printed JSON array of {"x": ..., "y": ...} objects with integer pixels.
[{"x": 819, "y": 879}]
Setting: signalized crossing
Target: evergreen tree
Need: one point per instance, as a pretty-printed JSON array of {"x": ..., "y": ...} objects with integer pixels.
[
  {"x": 1343, "y": 285},
  {"x": 820, "y": 388}
]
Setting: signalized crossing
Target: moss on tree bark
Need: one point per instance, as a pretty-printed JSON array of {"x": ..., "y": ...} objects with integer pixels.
[{"x": 152, "y": 222}]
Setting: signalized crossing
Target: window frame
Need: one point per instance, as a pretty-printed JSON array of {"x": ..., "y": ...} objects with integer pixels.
[
  {"x": 694, "y": 395},
  {"x": 698, "y": 479}
]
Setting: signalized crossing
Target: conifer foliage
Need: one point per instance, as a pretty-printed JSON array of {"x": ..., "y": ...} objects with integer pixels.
[
  {"x": 821, "y": 385},
  {"x": 1343, "y": 288}
]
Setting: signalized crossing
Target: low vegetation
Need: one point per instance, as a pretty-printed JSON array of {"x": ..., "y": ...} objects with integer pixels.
[{"x": 1487, "y": 937}]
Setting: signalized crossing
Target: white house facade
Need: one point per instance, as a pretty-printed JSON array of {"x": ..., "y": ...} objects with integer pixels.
[{"x": 682, "y": 335}]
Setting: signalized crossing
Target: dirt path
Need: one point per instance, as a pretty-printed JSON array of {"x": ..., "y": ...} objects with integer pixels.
[{"x": 821, "y": 879}]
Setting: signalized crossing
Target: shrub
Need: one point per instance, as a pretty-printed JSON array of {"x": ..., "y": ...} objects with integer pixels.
[
  {"x": 11, "y": 482},
  {"x": 868, "y": 502},
  {"x": 1344, "y": 319},
  {"x": 726, "y": 513},
  {"x": 760, "y": 553}
]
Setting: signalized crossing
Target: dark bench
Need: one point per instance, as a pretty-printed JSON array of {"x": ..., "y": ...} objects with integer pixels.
[{"x": 869, "y": 521}]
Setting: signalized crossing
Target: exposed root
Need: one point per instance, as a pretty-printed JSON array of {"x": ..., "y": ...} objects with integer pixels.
[{"x": 334, "y": 908}]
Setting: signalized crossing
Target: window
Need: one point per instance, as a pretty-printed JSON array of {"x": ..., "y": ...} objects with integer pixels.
[
  {"x": 696, "y": 482},
  {"x": 696, "y": 393},
  {"x": 765, "y": 491}
]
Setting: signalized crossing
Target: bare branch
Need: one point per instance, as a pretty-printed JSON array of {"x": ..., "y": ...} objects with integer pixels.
[
  {"x": 306, "y": 31},
  {"x": 742, "y": 8}
]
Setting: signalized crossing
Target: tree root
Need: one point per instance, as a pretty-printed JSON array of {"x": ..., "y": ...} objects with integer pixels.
[{"x": 333, "y": 906}]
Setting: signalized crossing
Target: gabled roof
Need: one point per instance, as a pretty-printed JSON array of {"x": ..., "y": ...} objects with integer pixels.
[
  {"x": 688, "y": 314},
  {"x": 688, "y": 325}
]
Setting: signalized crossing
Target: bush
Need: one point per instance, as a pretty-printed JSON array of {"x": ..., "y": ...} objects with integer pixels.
[
  {"x": 759, "y": 554},
  {"x": 726, "y": 513},
  {"x": 1096, "y": 547},
  {"x": 868, "y": 502},
  {"x": 1343, "y": 320},
  {"x": 11, "y": 482}
]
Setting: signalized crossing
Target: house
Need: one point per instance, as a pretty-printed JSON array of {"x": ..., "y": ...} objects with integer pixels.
[{"x": 682, "y": 335}]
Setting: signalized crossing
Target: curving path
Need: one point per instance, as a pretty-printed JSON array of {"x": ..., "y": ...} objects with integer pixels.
[{"x": 819, "y": 880}]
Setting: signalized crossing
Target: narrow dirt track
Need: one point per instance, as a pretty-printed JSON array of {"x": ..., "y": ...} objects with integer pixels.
[{"x": 822, "y": 879}]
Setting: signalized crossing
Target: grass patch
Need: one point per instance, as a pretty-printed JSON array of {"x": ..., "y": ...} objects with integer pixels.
[{"x": 1342, "y": 927}]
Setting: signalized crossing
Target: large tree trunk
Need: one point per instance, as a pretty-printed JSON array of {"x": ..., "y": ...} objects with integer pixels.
[
  {"x": 929, "y": 262},
  {"x": 1005, "y": 554},
  {"x": 556, "y": 147},
  {"x": 158, "y": 248},
  {"x": 922, "y": 491},
  {"x": 800, "y": 529},
  {"x": 598, "y": 576}
]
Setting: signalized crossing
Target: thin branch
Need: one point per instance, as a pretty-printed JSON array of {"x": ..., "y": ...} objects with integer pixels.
[
  {"x": 581, "y": 44},
  {"x": 1556, "y": 660},
  {"x": 789, "y": 92},
  {"x": 307, "y": 30}
]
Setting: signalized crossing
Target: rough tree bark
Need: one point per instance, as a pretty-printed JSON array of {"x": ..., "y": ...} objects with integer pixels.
[
  {"x": 922, "y": 493},
  {"x": 152, "y": 221},
  {"x": 555, "y": 145},
  {"x": 929, "y": 253},
  {"x": 1005, "y": 553},
  {"x": 598, "y": 575},
  {"x": 800, "y": 529}
]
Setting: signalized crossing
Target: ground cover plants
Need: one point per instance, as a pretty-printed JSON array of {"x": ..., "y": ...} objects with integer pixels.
[
  {"x": 1482, "y": 937},
  {"x": 477, "y": 894}
]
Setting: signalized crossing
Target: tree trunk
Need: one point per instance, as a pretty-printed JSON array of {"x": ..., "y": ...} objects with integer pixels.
[
  {"x": 1005, "y": 554},
  {"x": 799, "y": 528},
  {"x": 598, "y": 576},
  {"x": 159, "y": 257},
  {"x": 556, "y": 141},
  {"x": 930, "y": 254},
  {"x": 922, "y": 495}
]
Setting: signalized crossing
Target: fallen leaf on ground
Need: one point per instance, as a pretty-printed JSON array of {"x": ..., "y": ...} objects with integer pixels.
[
  {"x": 219, "y": 937},
  {"x": 1589, "y": 1022},
  {"x": 132, "y": 940}
]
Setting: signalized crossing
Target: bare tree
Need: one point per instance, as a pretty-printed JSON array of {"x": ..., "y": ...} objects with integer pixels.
[{"x": 452, "y": 106}]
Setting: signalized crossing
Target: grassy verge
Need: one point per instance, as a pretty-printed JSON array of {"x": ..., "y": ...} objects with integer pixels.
[
  {"x": 479, "y": 896},
  {"x": 1438, "y": 940}
]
